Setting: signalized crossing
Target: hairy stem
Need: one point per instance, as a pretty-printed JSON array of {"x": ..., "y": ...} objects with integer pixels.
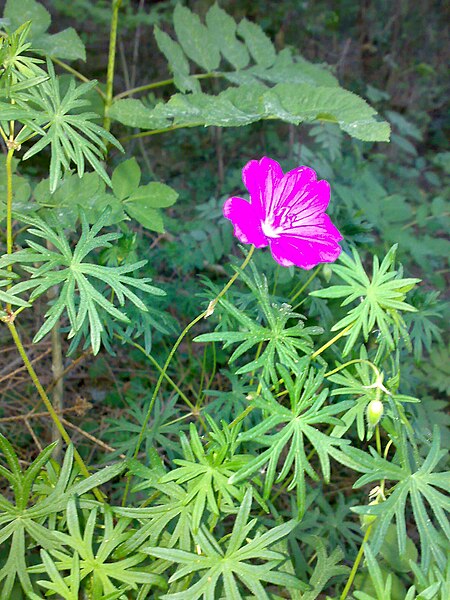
[
  {"x": 331, "y": 342},
  {"x": 32, "y": 373},
  {"x": 9, "y": 202},
  {"x": 111, "y": 62},
  {"x": 305, "y": 285},
  {"x": 78, "y": 75},
  {"x": 206, "y": 313},
  {"x": 354, "y": 570}
]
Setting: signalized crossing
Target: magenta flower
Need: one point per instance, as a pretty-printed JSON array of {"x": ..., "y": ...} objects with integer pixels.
[{"x": 287, "y": 213}]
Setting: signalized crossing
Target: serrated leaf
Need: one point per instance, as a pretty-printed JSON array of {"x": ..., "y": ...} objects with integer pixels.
[
  {"x": 260, "y": 46},
  {"x": 223, "y": 30},
  {"x": 195, "y": 38},
  {"x": 178, "y": 63},
  {"x": 133, "y": 113},
  {"x": 65, "y": 44},
  {"x": 28, "y": 10}
]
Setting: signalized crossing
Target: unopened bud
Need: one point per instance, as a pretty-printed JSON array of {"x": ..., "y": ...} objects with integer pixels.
[
  {"x": 327, "y": 272},
  {"x": 375, "y": 410}
]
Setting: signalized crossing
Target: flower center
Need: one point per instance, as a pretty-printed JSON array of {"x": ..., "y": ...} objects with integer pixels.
[{"x": 270, "y": 231}]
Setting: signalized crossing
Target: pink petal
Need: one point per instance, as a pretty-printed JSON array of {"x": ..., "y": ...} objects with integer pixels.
[
  {"x": 246, "y": 220},
  {"x": 307, "y": 246},
  {"x": 300, "y": 191},
  {"x": 262, "y": 178}
]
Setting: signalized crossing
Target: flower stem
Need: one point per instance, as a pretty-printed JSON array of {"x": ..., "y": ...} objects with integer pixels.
[
  {"x": 65, "y": 436},
  {"x": 305, "y": 285},
  {"x": 331, "y": 342},
  {"x": 182, "y": 335},
  {"x": 111, "y": 62},
  {"x": 355, "y": 565}
]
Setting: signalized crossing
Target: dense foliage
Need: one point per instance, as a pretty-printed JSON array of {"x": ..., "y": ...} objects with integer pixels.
[{"x": 181, "y": 416}]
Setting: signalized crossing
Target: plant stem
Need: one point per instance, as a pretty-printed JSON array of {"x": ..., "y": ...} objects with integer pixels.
[
  {"x": 9, "y": 201},
  {"x": 331, "y": 342},
  {"x": 206, "y": 313},
  {"x": 111, "y": 62},
  {"x": 65, "y": 436},
  {"x": 77, "y": 74},
  {"x": 142, "y": 134},
  {"x": 355, "y": 565},
  {"x": 157, "y": 84},
  {"x": 305, "y": 285}
]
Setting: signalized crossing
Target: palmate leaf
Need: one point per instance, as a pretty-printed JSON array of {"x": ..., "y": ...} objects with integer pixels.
[
  {"x": 23, "y": 521},
  {"x": 73, "y": 137},
  {"x": 285, "y": 345},
  {"x": 241, "y": 563},
  {"x": 292, "y": 428},
  {"x": 420, "y": 485},
  {"x": 6, "y": 296},
  {"x": 96, "y": 553},
  {"x": 78, "y": 295},
  {"x": 169, "y": 516},
  {"x": 380, "y": 299},
  {"x": 383, "y": 589},
  {"x": 206, "y": 475}
]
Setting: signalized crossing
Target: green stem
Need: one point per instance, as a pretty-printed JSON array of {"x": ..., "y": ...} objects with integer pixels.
[
  {"x": 331, "y": 342},
  {"x": 142, "y": 134},
  {"x": 32, "y": 373},
  {"x": 305, "y": 285},
  {"x": 206, "y": 313},
  {"x": 111, "y": 63},
  {"x": 158, "y": 84},
  {"x": 355, "y": 565},
  {"x": 165, "y": 375},
  {"x": 9, "y": 202},
  {"x": 78, "y": 75}
]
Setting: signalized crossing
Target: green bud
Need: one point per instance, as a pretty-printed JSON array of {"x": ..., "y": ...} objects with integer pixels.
[
  {"x": 375, "y": 410},
  {"x": 327, "y": 272}
]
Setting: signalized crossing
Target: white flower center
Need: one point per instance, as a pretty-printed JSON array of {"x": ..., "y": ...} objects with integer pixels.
[{"x": 270, "y": 231}]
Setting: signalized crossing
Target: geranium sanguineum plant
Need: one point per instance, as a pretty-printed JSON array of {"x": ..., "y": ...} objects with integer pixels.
[{"x": 224, "y": 477}]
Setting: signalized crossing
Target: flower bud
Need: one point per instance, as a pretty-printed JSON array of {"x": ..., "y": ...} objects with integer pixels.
[
  {"x": 375, "y": 410},
  {"x": 327, "y": 272}
]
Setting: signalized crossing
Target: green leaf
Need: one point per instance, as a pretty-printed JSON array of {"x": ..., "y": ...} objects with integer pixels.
[
  {"x": 240, "y": 563},
  {"x": 65, "y": 44},
  {"x": 379, "y": 299},
  {"x": 134, "y": 113},
  {"x": 223, "y": 31},
  {"x": 73, "y": 137},
  {"x": 301, "y": 102},
  {"x": 292, "y": 428},
  {"x": 289, "y": 346},
  {"x": 28, "y": 10},
  {"x": 195, "y": 38},
  {"x": 148, "y": 217},
  {"x": 126, "y": 178},
  {"x": 260, "y": 46},
  {"x": 294, "y": 103},
  {"x": 178, "y": 63},
  {"x": 154, "y": 195},
  {"x": 421, "y": 486},
  {"x": 78, "y": 296}
]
